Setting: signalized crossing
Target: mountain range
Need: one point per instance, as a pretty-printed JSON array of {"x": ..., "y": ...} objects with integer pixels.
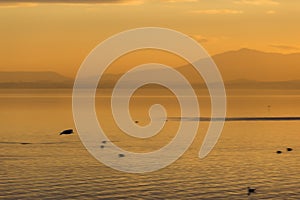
[
  {"x": 244, "y": 68},
  {"x": 44, "y": 79}
]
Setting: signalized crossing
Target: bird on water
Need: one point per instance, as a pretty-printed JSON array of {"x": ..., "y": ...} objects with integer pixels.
[
  {"x": 67, "y": 132},
  {"x": 279, "y": 152},
  {"x": 251, "y": 190},
  {"x": 289, "y": 149},
  {"x": 121, "y": 155}
]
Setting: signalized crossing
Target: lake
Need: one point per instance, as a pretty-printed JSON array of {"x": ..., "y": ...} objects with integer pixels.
[{"x": 37, "y": 163}]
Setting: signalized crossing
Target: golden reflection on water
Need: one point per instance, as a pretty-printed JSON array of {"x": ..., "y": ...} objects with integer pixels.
[{"x": 57, "y": 167}]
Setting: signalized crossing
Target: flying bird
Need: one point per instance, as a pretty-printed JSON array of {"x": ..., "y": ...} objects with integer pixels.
[{"x": 67, "y": 132}]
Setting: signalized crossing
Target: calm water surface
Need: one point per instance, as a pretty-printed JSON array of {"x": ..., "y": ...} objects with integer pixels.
[{"x": 49, "y": 166}]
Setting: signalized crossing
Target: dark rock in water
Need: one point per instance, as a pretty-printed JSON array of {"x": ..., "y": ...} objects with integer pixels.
[
  {"x": 289, "y": 149},
  {"x": 102, "y": 146},
  {"x": 121, "y": 155},
  {"x": 278, "y": 152},
  {"x": 104, "y": 142},
  {"x": 67, "y": 132}
]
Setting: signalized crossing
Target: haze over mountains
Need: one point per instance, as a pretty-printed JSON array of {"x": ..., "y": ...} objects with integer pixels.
[
  {"x": 244, "y": 68},
  {"x": 260, "y": 66},
  {"x": 45, "y": 79}
]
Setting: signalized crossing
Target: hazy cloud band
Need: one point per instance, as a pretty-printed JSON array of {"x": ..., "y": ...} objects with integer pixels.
[{"x": 68, "y": 1}]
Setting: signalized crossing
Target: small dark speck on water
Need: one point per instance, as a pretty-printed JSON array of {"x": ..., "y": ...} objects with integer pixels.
[
  {"x": 25, "y": 143},
  {"x": 67, "y": 132},
  {"x": 121, "y": 155},
  {"x": 289, "y": 149}
]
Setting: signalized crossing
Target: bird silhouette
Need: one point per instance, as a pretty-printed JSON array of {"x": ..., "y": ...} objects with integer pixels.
[
  {"x": 278, "y": 152},
  {"x": 67, "y": 132},
  {"x": 121, "y": 155},
  {"x": 289, "y": 149},
  {"x": 251, "y": 190}
]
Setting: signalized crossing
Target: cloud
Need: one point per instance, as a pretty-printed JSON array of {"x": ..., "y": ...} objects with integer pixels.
[
  {"x": 176, "y": 1},
  {"x": 200, "y": 38},
  {"x": 217, "y": 11},
  {"x": 257, "y": 2},
  {"x": 207, "y": 39},
  {"x": 271, "y": 12},
  {"x": 15, "y": 5},
  {"x": 284, "y": 47},
  {"x": 23, "y": 2}
]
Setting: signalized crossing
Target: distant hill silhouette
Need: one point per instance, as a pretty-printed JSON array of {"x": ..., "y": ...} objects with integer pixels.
[
  {"x": 256, "y": 65},
  {"x": 276, "y": 85},
  {"x": 244, "y": 68},
  {"x": 45, "y": 79},
  {"x": 248, "y": 64}
]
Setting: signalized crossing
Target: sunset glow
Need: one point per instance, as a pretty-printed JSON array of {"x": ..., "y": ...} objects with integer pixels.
[{"x": 57, "y": 36}]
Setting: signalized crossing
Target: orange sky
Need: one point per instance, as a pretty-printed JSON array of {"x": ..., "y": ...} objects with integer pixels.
[{"x": 58, "y": 36}]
